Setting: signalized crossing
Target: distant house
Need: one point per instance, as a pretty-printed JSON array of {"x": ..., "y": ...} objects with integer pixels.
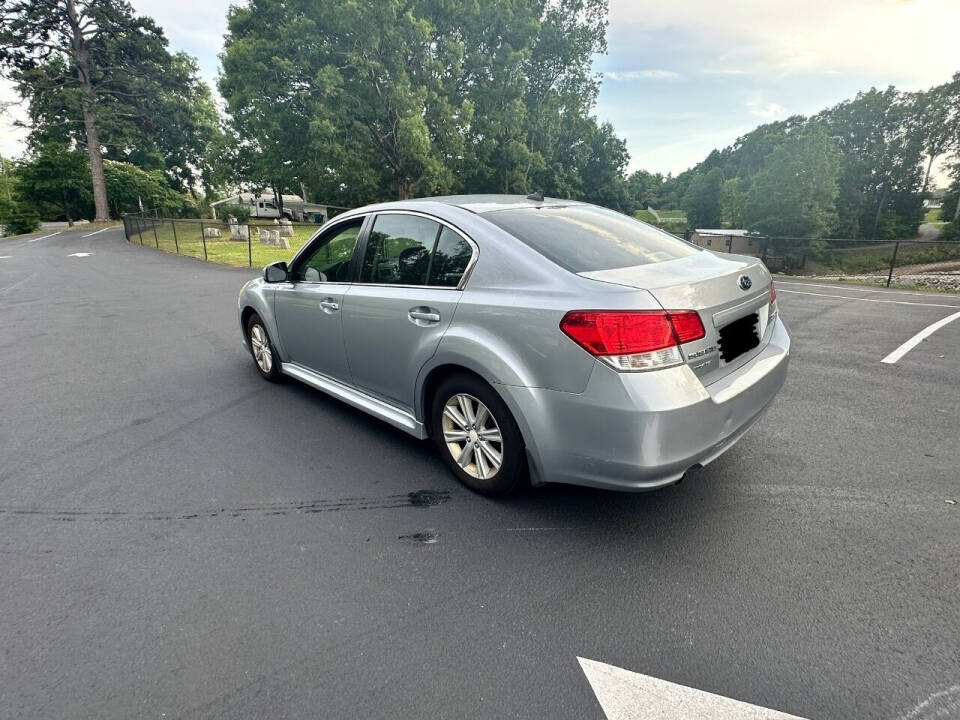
[
  {"x": 935, "y": 201},
  {"x": 264, "y": 206},
  {"x": 727, "y": 240}
]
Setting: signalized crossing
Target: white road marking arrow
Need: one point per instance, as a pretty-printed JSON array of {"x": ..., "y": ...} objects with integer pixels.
[
  {"x": 79, "y": 254},
  {"x": 626, "y": 695},
  {"x": 5, "y": 257}
]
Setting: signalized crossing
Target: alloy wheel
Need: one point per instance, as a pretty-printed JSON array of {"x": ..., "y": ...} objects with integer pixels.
[
  {"x": 472, "y": 436},
  {"x": 261, "y": 348}
]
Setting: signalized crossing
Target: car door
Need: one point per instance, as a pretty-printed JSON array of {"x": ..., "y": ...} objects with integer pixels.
[
  {"x": 402, "y": 301},
  {"x": 309, "y": 308}
]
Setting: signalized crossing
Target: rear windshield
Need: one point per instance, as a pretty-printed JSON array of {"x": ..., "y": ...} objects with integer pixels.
[{"x": 584, "y": 238}]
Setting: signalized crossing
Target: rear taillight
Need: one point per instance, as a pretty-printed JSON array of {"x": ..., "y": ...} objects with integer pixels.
[
  {"x": 772, "y": 312},
  {"x": 633, "y": 339}
]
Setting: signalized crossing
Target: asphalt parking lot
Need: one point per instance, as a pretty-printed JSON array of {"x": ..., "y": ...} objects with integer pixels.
[{"x": 179, "y": 538}]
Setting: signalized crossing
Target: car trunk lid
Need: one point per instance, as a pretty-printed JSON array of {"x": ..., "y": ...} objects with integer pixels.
[{"x": 731, "y": 293}]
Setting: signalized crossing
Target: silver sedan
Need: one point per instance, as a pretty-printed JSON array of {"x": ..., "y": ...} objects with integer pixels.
[{"x": 534, "y": 340}]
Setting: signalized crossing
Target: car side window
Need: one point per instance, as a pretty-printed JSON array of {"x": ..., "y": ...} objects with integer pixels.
[
  {"x": 330, "y": 261},
  {"x": 450, "y": 259},
  {"x": 398, "y": 250}
]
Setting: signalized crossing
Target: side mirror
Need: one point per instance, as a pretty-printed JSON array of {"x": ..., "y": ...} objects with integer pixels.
[{"x": 275, "y": 272}]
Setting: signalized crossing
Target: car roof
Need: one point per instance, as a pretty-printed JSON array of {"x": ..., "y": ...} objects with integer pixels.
[{"x": 481, "y": 204}]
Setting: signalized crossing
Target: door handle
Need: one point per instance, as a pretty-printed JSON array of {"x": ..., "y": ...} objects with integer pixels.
[
  {"x": 423, "y": 316},
  {"x": 329, "y": 305}
]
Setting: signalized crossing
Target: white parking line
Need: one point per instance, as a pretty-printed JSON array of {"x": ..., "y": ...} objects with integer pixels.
[
  {"x": 918, "y": 338},
  {"x": 863, "y": 299},
  {"x": 626, "y": 695},
  {"x": 97, "y": 232},
  {"x": 45, "y": 236},
  {"x": 852, "y": 288}
]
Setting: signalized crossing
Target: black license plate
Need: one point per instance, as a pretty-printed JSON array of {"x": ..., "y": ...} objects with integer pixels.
[{"x": 738, "y": 337}]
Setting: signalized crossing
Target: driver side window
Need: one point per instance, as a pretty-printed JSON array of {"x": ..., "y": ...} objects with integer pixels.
[{"x": 330, "y": 260}]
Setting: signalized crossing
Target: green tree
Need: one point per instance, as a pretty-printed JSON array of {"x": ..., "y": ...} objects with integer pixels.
[
  {"x": 794, "y": 195},
  {"x": 560, "y": 92},
  {"x": 950, "y": 212},
  {"x": 702, "y": 199},
  {"x": 184, "y": 127},
  {"x": 56, "y": 183},
  {"x": 881, "y": 177},
  {"x": 936, "y": 115},
  {"x": 643, "y": 189},
  {"x": 16, "y": 217},
  {"x": 98, "y": 76},
  {"x": 377, "y": 98},
  {"x": 732, "y": 201},
  {"x": 128, "y": 186}
]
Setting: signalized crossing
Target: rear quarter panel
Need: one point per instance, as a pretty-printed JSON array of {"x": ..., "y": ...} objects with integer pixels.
[{"x": 507, "y": 325}]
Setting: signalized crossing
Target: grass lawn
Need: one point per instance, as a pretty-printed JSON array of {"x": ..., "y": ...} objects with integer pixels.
[
  {"x": 670, "y": 218},
  {"x": 672, "y": 215},
  {"x": 184, "y": 238},
  {"x": 932, "y": 215},
  {"x": 876, "y": 258}
]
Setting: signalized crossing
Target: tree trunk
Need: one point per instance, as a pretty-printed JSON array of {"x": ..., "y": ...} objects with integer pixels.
[
  {"x": 956, "y": 213},
  {"x": 87, "y": 99},
  {"x": 926, "y": 177},
  {"x": 876, "y": 220},
  {"x": 277, "y": 200},
  {"x": 100, "y": 204},
  {"x": 403, "y": 188}
]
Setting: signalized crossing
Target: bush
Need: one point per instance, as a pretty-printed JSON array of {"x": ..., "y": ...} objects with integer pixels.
[
  {"x": 950, "y": 231},
  {"x": 194, "y": 207},
  {"x": 240, "y": 212},
  {"x": 20, "y": 219}
]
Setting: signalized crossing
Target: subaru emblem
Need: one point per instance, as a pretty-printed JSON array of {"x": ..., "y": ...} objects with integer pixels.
[{"x": 744, "y": 282}]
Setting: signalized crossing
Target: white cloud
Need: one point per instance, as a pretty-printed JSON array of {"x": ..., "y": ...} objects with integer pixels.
[
  {"x": 909, "y": 43},
  {"x": 627, "y": 75},
  {"x": 720, "y": 71},
  {"x": 765, "y": 110}
]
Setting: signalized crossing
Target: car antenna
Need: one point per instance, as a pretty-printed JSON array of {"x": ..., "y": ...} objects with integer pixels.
[{"x": 536, "y": 196}]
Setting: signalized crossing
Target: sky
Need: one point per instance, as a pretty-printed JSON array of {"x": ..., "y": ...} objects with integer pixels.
[{"x": 682, "y": 77}]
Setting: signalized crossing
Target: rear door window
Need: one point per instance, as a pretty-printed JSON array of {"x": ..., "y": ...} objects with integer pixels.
[
  {"x": 450, "y": 259},
  {"x": 585, "y": 238},
  {"x": 398, "y": 250}
]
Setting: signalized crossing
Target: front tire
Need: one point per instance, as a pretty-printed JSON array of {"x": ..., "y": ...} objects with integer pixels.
[
  {"x": 477, "y": 436},
  {"x": 264, "y": 354}
]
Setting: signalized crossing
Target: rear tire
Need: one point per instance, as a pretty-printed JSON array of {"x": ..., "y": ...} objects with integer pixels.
[
  {"x": 477, "y": 436},
  {"x": 265, "y": 357}
]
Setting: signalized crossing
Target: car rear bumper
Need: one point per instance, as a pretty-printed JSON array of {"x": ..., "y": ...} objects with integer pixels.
[{"x": 641, "y": 431}]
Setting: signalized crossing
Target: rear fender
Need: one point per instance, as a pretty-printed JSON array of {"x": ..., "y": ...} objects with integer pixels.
[{"x": 505, "y": 372}]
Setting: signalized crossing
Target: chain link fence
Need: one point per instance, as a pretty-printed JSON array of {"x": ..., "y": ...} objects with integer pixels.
[
  {"x": 935, "y": 263},
  {"x": 260, "y": 241},
  {"x": 254, "y": 243}
]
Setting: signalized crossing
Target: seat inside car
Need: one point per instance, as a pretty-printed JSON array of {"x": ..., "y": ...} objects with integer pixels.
[{"x": 412, "y": 265}]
